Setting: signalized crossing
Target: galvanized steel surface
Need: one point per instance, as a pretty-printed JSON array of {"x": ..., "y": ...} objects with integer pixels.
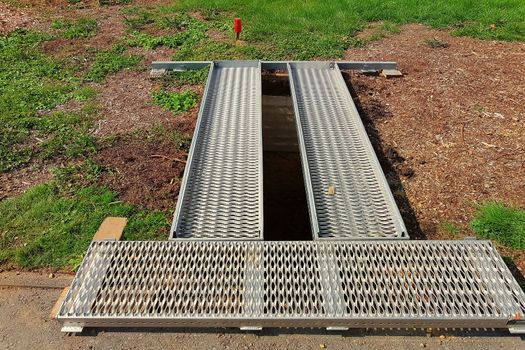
[
  {"x": 221, "y": 194},
  {"x": 329, "y": 283},
  {"x": 348, "y": 194}
]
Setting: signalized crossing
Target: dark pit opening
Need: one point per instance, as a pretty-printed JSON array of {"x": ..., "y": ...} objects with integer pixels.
[{"x": 286, "y": 215}]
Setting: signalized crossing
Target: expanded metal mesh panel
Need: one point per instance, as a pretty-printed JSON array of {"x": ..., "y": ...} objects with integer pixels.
[
  {"x": 221, "y": 196},
  {"x": 257, "y": 283},
  {"x": 349, "y": 196}
]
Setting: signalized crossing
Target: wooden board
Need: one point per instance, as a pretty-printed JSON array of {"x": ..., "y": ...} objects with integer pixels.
[{"x": 111, "y": 229}]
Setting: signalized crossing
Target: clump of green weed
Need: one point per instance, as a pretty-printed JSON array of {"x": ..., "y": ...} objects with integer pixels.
[
  {"x": 182, "y": 141},
  {"x": 194, "y": 31},
  {"x": 111, "y": 61},
  {"x": 505, "y": 224},
  {"x": 437, "y": 43},
  {"x": 81, "y": 28},
  {"x": 175, "y": 102}
]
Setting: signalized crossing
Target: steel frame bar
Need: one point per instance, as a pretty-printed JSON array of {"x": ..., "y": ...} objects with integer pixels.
[{"x": 274, "y": 65}]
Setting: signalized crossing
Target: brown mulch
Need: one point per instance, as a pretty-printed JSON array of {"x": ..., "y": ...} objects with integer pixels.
[
  {"x": 144, "y": 172},
  {"x": 126, "y": 105},
  {"x": 13, "y": 18},
  {"x": 452, "y": 129},
  {"x": 18, "y": 181}
]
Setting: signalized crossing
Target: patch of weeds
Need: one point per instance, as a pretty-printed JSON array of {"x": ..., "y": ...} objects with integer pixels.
[
  {"x": 437, "y": 43},
  {"x": 148, "y": 41},
  {"x": 504, "y": 224},
  {"x": 81, "y": 28},
  {"x": 60, "y": 133},
  {"x": 478, "y": 108},
  {"x": 190, "y": 77},
  {"x": 114, "y": 2},
  {"x": 32, "y": 84},
  {"x": 140, "y": 18},
  {"x": 74, "y": 176},
  {"x": 84, "y": 93},
  {"x": 175, "y": 102},
  {"x": 214, "y": 50},
  {"x": 194, "y": 32},
  {"x": 177, "y": 21},
  {"x": 182, "y": 141},
  {"x": 450, "y": 228},
  {"x": 45, "y": 228},
  {"x": 111, "y": 61}
]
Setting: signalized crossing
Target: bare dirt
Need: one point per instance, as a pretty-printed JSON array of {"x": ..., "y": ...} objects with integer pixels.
[
  {"x": 145, "y": 172},
  {"x": 14, "y": 18},
  {"x": 451, "y": 131},
  {"x": 25, "y": 324},
  {"x": 18, "y": 181}
]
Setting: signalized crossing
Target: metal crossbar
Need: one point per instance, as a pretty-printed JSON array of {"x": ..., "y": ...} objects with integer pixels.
[
  {"x": 221, "y": 193},
  {"x": 293, "y": 284},
  {"x": 348, "y": 193}
]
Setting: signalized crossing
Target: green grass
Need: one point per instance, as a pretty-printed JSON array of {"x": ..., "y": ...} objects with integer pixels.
[
  {"x": 81, "y": 28},
  {"x": 175, "y": 102},
  {"x": 504, "y": 224},
  {"x": 111, "y": 61},
  {"x": 32, "y": 84},
  {"x": 47, "y": 228},
  {"x": 190, "y": 77},
  {"x": 296, "y": 29}
]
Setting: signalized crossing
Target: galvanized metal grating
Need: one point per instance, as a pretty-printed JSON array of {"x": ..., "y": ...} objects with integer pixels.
[
  {"x": 293, "y": 284},
  {"x": 221, "y": 194},
  {"x": 348, "y": 193}
]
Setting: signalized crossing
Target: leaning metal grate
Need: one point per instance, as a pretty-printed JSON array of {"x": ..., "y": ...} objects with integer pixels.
[
  {"x": 293, "y": 284},
  {"x": 221, "y": 194},
  {"x": 348, "y": 193}
]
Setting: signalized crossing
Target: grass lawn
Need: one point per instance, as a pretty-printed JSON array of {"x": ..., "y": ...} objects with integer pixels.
[
  {"x": 306, "y": 29},
  {"x": 52, "y": 224},
  {"x": 504, "y": 224}
]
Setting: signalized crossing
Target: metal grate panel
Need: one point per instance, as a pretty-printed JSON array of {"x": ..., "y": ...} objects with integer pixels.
[
  {"x": 293, "y": 284},
  {"x": 348, "y": 193},
  {"x": 221, "y": 194}
]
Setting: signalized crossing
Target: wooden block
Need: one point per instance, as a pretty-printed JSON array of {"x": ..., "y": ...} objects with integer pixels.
[
  {"x": 390, "y": 73},
  {"x": 157, "y": 73},
  {"x": 111, "y": 229},
  {"x": 331, "y": 190},
  {"x": 56, "y": 309}
]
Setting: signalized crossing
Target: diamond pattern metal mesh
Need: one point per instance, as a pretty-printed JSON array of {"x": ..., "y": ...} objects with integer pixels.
[
  {"x": 221, "y": 196},
  {"x": 344, "y": 283},
  {"x": 349, "y": 196}
]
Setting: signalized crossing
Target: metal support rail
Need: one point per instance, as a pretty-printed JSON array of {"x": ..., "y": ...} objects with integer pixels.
[
  {"x": 221, "y": 193},
  {"x": 272, "y": 65},
  {"x": 348, "y": 194},
  {"x": 253, "y": 284}
]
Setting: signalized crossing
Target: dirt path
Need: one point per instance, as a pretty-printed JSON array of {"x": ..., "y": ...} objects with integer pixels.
[{"x": 25, "y": 324}]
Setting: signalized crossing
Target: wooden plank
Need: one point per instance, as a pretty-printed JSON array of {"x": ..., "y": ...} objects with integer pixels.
[
  {"x": 391, "y": 73},
  {"x": 111, "y": 229},
  {"x": 56, "y": 308}
]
